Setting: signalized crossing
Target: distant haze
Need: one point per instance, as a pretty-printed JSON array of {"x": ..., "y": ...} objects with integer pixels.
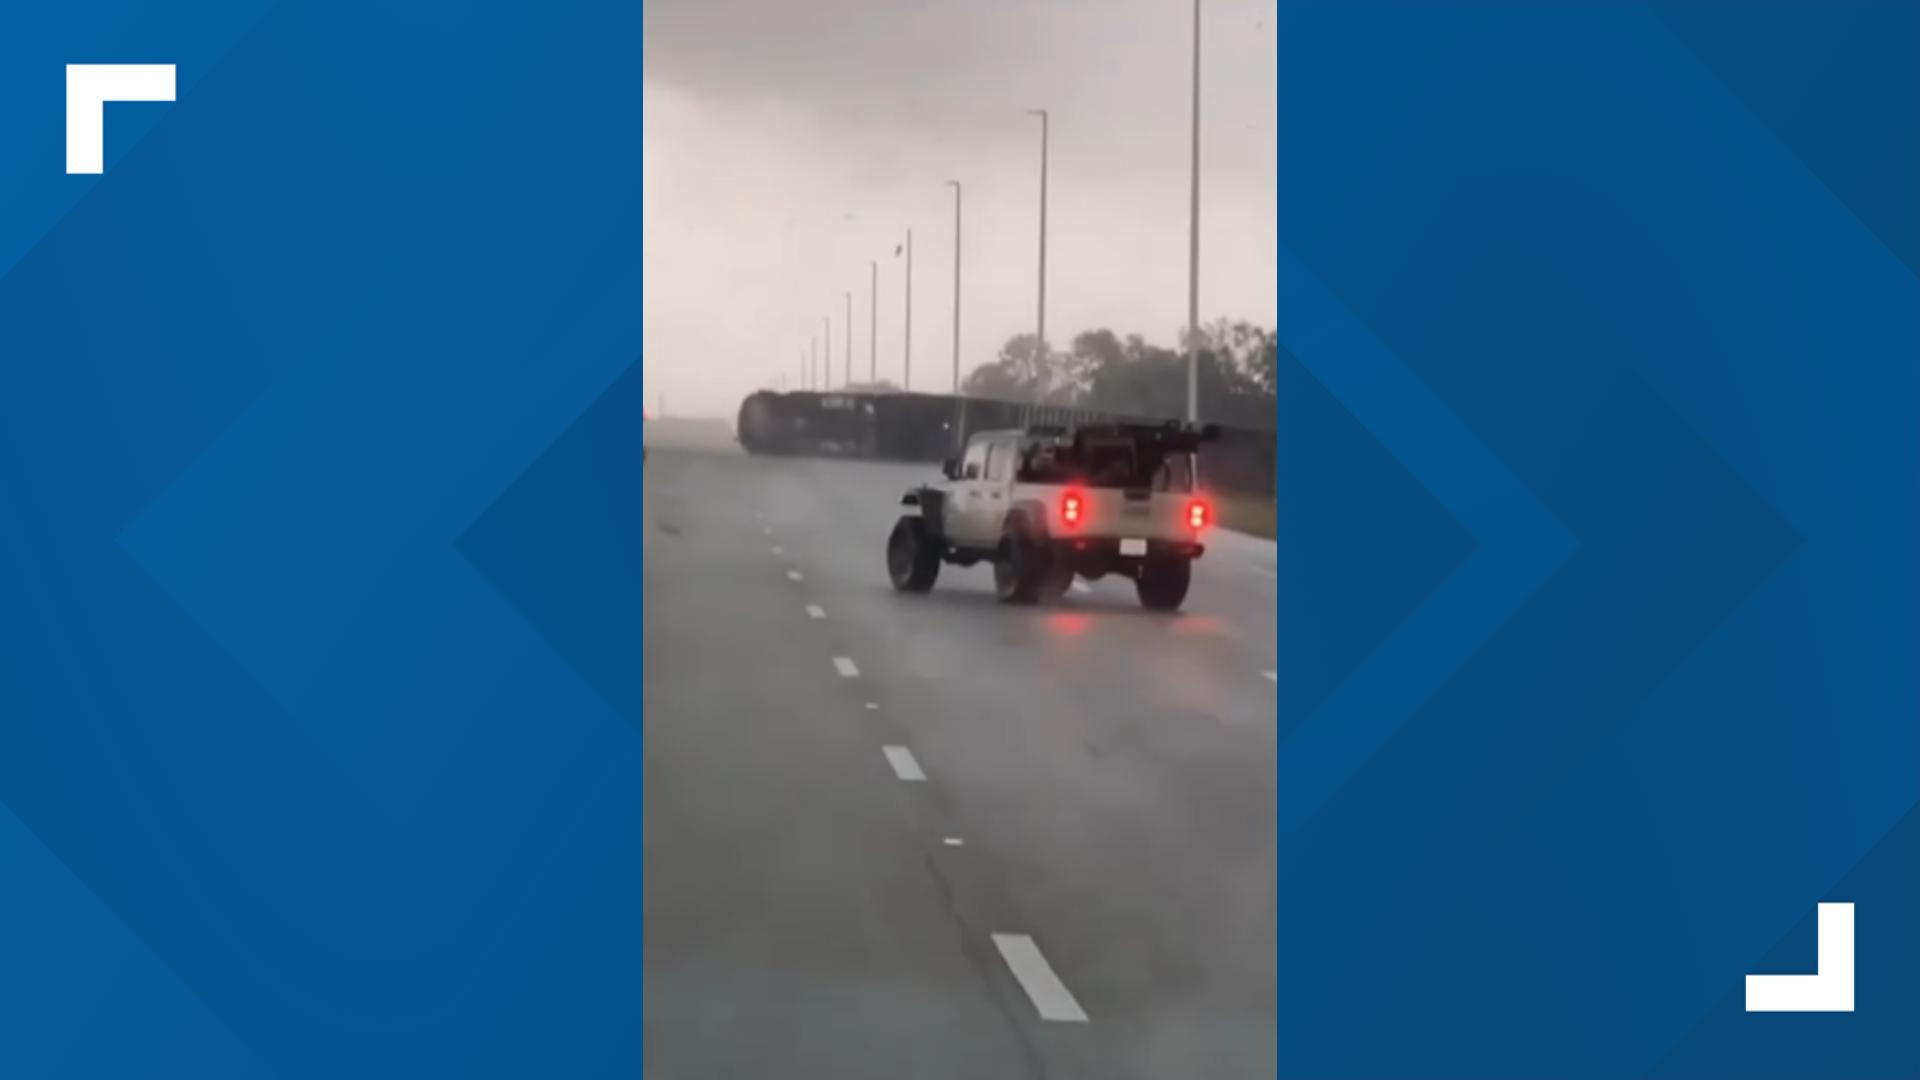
[{"x": 789, "y": 142}]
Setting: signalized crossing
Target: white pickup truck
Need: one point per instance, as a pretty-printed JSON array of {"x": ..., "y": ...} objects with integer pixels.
[{"x": 1045, "y": 504}]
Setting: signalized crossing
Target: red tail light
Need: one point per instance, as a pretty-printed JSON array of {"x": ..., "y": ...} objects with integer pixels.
[
  {"x": 1197, "y": 515},
  {"x": 1073, "y": 509}
]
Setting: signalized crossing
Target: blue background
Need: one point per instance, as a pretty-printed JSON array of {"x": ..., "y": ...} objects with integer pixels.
[
  {"x": 287, "y": 786},
  {"x": 1599, "y": 535},
  {"x": 319, "y": 601}
]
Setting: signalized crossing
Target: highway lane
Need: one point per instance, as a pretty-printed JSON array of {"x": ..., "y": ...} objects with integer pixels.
[{"x": 1097, "y": 778}]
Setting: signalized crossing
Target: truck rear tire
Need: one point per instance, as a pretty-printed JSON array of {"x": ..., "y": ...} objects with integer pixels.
[
  {"x": 913, "y": 556},
  {"x": 1020, "y": 569},
  {"x": 1162, "y": 583},
  {"x": 1059, "y": 577}
]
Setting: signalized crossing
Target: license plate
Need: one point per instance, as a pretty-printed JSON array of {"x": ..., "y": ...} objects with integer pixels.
[{"x": 1133, "y": 547}]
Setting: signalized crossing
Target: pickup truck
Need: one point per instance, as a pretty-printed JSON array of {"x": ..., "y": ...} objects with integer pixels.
[{"x": 1045, "y": 504}]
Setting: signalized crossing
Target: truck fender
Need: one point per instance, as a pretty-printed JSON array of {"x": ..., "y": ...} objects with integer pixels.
[
  {"x": 1035, "y": 513},
  {"x": 933, "y": 506}
]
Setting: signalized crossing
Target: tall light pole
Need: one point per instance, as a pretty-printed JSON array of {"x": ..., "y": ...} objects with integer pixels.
[
  {"x": 1193, "y": 242},
  {"x": 849, "y": 372},
  {"x": 813, "y": 364},
  {"x": 1042, "y": 344},
  {"x": 909, "y": 349},
  {"x": 955, "y": 185},
  {"x": 827, "y": 368},
  {"x": 802, "y": 384},
  {"x": 873, "y": 327},
  {"x": 959, "y": 401}
]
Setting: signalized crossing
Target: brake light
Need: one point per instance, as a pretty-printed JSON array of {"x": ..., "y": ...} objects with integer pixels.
[
  {"x": 1073, "y": 509},
  {"x": 1197, "y": 515}
]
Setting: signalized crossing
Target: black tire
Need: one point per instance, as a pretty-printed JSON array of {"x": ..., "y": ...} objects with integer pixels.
[
  {"x": 1162, "y": 583},
  {"x": 1020, "y": 569},
  {"x": 913, "y": 558},
  {"x": 1059, "y": 578}
]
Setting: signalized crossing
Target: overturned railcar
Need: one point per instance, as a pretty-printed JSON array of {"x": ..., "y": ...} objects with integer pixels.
[
  {"x": 808, "y": 423},
  {"x": 929, "y": 427}
]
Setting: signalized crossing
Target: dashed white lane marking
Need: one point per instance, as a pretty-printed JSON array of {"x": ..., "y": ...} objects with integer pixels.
[
  {"x": 1271, "y": 676},
  {"x": 815, "y": 611},
  {"x": 846, "y": 667},
  {"x": 1080, "y": 586},
  {"x": 1050, "y": 996},
  {"x": 795, "y": 575},
  {"x": 766, "y": 530},
  {"x": 904, "y": 765},
  {"x": 873, "y": 704},
  {"x": 954, "y": 841},
  {"x": 778, "y": 550}
]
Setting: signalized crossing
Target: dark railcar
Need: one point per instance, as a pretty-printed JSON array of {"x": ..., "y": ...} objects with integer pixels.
[{"x": 921, "y": 427}]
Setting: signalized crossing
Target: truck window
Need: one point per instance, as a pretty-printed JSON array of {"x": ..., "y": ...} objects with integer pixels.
[
  {"x": 999, "y": 460},
  {"x": 1175, "y": 474},
  {"x": 975, "y": 461},
  {"x": 1112, "y": 465}
]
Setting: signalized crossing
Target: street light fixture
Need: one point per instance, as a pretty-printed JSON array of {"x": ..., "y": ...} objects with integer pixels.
[
  {"x": 1044, "y": 125},
  {"x": 959, "y": 401},
  {"x": 955, "y": 185},
  {"x": 908, "y": 376},
  {"x": 1193, "y": 242}
]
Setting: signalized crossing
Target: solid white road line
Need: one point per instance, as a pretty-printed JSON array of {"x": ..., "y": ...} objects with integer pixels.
[
  {"x": 954, "y": 841},
  {"x": 846, "y": 668},
  {"x": 904, "y": 765},
  {"x": 1050, "y": 995},
  {"x": 1271, "y": 676},
  {"x": 815, "y": 611},
  {"x": 795, "y": 575}
]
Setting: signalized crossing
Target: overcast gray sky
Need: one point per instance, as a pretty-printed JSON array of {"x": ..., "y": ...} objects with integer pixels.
[{"x": 789, "y": 142}]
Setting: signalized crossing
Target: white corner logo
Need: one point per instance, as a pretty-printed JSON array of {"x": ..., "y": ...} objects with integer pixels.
[
  {"x": 89, "y": 88},
  {"x": 1829, "y": 988}
]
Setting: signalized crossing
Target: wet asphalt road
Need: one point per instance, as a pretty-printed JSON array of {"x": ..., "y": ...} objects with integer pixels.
[{"x": 1093, "y": 836}]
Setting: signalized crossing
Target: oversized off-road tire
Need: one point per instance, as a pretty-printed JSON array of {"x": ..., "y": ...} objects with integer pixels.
[
  {"x": 1162, "y": 583},
  {"x": 1059, "y": 578},
  {"x": 1020, "y": 568},
  {"x": 913, "y": 556}
]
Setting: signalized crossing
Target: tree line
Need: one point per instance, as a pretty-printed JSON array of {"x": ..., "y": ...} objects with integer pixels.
[{"x": 1132, "y": 377}]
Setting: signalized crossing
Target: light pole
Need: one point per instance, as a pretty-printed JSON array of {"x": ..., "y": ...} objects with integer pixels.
[
  {"x": 849, "y": 372},
  {"x": 813, "y": 363},
  {"x": 1193, "y": 242},
  {"x": 827, "y": 368},
  {"x": 955, "y": 185},
  {"x": 873, "y": 327},
  {"x": 959, "y": 401},
  {"x": 908, "y": 376},
  {"x": 1041, "y": 346},
  {"x": 802, "y": 384}
]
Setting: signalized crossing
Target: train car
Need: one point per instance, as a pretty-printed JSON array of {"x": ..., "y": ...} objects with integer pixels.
[
  {"x": 928, "y": 427},
  {"x": 840, "y": 425}
]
